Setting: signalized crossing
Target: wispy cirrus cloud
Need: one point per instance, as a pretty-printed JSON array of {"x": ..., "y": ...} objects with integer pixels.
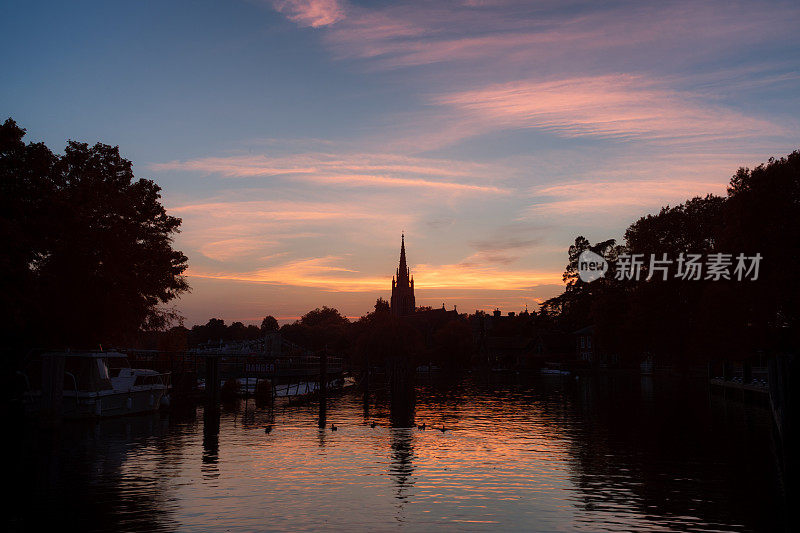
[
  {"x": 569, "y": 199},
  {"x": 504, "y": 245},
  {"x": 240, "y": 231},
  {"x": 572, "y": 71},
  {"x": 285, "y": 211},
  {"x": 499, "y": 35},
  {"x": 616, "y": 106},
  {"x": 372, "y": 170}
]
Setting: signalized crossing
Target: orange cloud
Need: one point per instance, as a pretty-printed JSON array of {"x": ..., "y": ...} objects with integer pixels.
[
  {"x": 320, "y": 272},
  {"x": 486, "y": 277},
  {"x": 323, "y": 273}
]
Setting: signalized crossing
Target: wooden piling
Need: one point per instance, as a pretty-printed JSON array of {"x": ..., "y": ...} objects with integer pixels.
[
  {"x": 323, "y": 374},
  {"x": 323, "y": 387},
  {"x": 212, "y": 381},
  {"x": 403, "y": 396},
  {"x": 52, "y": 386}
]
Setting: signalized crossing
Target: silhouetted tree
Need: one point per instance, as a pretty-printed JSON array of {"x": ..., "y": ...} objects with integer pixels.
[
  {"x": 573, "y": 307},
  {"x": 382, "y": 307},
  {"x": 327, "y": 316},
  {"x": 269, "y": 324},
  {"x": 684, "y": 321},
  {"x": 88, "y": 248},
  {"x": 762, "y": 215},
  {"x": 320, "y": 328}
]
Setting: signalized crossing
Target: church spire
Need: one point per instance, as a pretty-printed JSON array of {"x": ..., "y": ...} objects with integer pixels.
[
  {"x": 403, "y": 302},
  {"x": 403, "y": 269}
]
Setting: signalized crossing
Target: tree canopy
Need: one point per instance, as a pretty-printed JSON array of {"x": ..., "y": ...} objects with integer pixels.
[
  {"x": 682, "y": 320},
  {"x": 89, "y": 255}
]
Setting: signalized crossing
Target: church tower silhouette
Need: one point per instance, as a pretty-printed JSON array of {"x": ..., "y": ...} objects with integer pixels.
[{"x": 403, "y": 286}]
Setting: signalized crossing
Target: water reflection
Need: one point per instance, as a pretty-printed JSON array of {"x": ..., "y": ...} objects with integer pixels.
[
  {"x": 603, "y": 453},
  {"x": 322, "y": 420},
  {"x": 672, "y": 459},
  {"x": 211, "y": 425},
  {"x": 402, "y": 467},
  {"x": 81, "y": 478}
]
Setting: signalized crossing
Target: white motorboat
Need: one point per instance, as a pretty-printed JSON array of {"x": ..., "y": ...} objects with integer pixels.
[{"x": 102, "y": 384}]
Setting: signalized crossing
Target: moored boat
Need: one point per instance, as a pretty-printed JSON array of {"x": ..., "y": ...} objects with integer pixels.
[{"x": 100, "y": 384}]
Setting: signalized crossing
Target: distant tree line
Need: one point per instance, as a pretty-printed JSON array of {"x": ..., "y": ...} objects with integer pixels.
[{"x": 370, "y": 339}]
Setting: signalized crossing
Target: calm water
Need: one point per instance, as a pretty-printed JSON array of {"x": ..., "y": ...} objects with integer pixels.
[{"x": 541, "y": 454}]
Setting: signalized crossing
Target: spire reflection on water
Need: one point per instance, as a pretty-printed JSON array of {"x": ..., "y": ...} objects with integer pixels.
[{"x": 401, "y": 469}]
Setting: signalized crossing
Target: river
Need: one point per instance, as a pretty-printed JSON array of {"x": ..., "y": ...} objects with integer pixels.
[{"x": 540, "y": 453}]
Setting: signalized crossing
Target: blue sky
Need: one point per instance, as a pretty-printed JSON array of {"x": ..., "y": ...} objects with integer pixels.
[{"x": 297, "y": 139}]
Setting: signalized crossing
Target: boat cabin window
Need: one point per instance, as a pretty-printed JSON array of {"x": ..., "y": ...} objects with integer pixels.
[
  {"x": 90, "y": 374},
  {"x": 115, "y": 364}
]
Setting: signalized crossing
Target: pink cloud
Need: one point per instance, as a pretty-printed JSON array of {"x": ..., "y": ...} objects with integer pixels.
[
  {"x": 617, "y": 106},
  {"x": 583, "y": 198},
  {"x": 313, "y": 13},
  {"x": 403, "y": 34},
  {"x": 507, "y": 42},
  {"x": 258, "y": 232},
  {"x": 375, "y": 170}
]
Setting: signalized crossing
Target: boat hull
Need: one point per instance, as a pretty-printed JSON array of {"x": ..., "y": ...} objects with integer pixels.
[{"x": 112, "y": 403}]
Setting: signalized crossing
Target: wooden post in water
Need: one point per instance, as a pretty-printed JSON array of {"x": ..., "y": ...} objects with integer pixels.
[
  {"x": 212, "y": 381},
  {"x": 323, "y": 373},
  {"x": 53, "y": 386},
  {"x": 323, "y": 387},
  {"x": 365, "y": 384},
  {"x": 403, "y": 397}
]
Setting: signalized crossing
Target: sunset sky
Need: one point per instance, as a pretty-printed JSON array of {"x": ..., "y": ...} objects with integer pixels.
[{"x": 297, "y": 139}]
